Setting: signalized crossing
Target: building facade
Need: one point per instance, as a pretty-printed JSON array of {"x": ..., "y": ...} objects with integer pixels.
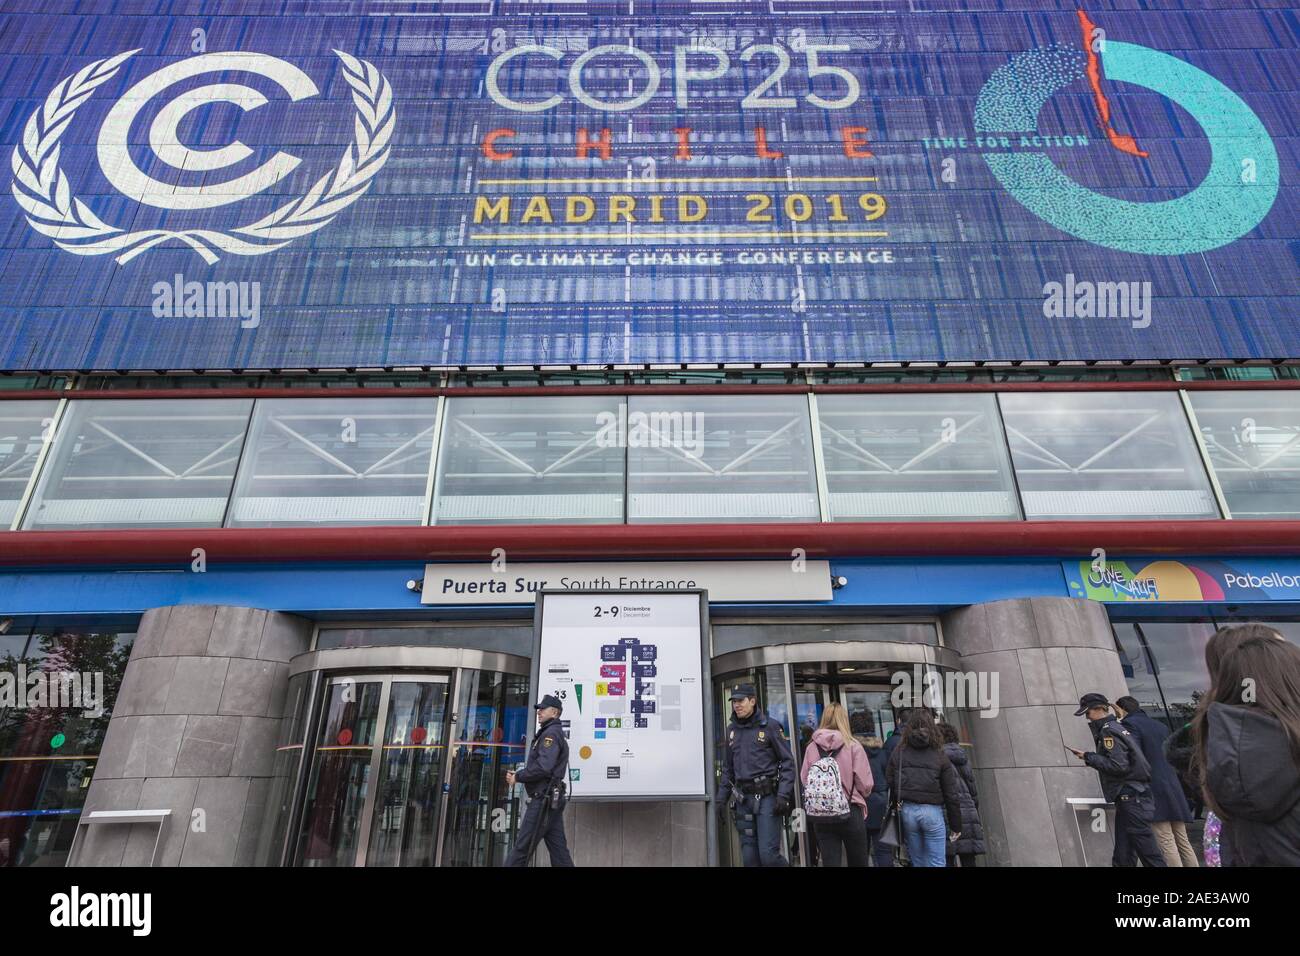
[
  {"x": 946, "y": 349},
  {"x": 246, "y": 624}
]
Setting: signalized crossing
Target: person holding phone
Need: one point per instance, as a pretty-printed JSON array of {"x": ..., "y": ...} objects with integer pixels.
[{"x": 1125, "y": 781}]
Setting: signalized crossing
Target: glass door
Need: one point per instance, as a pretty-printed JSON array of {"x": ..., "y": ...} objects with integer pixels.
[
  {"x": 492, "y": 727},
  {"x": 340, "y": 774},
  {"x": 863, "y": 688},
  {"x": 770, "y": 685},
  {"x": 404, "y": 818},
  {"x": 375, "y": 784},
  {"x": 871, "y": 713}
]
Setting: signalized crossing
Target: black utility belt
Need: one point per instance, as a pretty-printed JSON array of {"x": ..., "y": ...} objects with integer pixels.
[
  {"x": 1133, "y": 790},
  {"x": 556, "y": 793},
  {"x": 549, "y": 789},
  {"x": 758, "y": 787}
]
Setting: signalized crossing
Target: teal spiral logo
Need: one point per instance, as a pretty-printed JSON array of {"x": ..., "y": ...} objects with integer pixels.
[{"x": 1221, "y": 209}]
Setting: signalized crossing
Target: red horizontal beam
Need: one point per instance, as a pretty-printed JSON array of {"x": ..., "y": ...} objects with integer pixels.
[{"x": 678, "y": 541}]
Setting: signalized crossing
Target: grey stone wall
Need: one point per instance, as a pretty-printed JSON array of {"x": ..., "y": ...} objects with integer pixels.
[
  {"x": 1047, "y": 652},
  {"x": 634, "y": 834},
  {"x": 194, "y": 727}
]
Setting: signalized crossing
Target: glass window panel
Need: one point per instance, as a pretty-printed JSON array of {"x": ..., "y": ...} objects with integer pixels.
[
  {"x": 504, "y": 638},
  {"x": 531, "y": 460},
  {"x": 1253, "y": 439},
  {"x": 714, "y": 458},
  {"x": 22, "y": 425},
  {"x": 734, "y": 637},
  {"x": 50, "y": 743},
  {"x": 336, "y": 461},
  {"x": 1139, "y": 672},
  {"x": 1289, "y": 628},
  {"x": 915, "y": 457},
  {"x": 1164, "y": 663},
  {"x": 12, "y": 643},
  {"x": 288, "y": 760},
  {"x": 1105, "y": 455},
  {"x": 156, "y": 463}
]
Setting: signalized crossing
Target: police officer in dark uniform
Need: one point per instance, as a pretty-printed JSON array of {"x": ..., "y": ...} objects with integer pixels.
[
  {"x": 1125, "y": 782},
  {"x": 757, "y": 779},
  {"x": 543, "y": 777}
]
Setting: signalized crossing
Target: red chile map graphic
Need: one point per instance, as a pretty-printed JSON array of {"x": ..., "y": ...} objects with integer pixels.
[{"x": 499, "y": 182}]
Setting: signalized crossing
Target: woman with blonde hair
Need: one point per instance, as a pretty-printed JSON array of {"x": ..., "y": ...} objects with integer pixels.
[{"x": 837, "y": 780}]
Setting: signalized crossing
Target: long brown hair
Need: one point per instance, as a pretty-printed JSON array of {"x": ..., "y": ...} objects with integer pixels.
[
  {"x": 921, "y": 721},
  {"x": 1254, "y": 656}
]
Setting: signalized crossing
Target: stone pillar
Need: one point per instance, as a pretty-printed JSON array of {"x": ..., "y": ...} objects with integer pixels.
[
  {"x": 1047, "y": 652},
  {"x": 194, "y": 729},
  {"x": 637, "y": 833}
]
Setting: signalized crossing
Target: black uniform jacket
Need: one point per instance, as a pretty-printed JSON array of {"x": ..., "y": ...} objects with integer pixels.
[
  {"x": 1119, "y": 760},
  {"x": 756, "y": 747},
  {"x": 547, "y": 760}
]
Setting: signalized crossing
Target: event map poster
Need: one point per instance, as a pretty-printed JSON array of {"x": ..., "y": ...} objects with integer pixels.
[
  {"x": 629, "y": 669},
  {"x": 284, "y": 184}
]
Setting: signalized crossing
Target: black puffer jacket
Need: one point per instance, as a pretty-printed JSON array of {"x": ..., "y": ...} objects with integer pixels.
[
  {"x": 928, "y": 776},
  {"x": 878, "y": 802},
  {"x": 1253, "y": 776},
  {"x": 972, "y": 831}
]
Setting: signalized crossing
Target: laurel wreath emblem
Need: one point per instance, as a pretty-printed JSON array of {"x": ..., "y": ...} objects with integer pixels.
[{"x": 41, "y": 188}]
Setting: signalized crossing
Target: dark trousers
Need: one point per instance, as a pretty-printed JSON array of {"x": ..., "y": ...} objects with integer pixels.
[
  {"x": 540, "y": 821},
  {"x": 849, "y": 835},
  {"x": 880, "y": 855},
  {"x": 760, "y": 831},
  {"x": 1133, "y": 833}
]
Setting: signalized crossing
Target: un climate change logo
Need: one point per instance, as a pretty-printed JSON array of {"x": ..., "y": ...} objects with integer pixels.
[
  {"x": 43, "y": 191},
  {"x": 1236, "y": 194}
]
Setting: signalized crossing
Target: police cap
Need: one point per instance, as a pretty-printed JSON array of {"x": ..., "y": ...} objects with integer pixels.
[
  {"x": 1091, "y": 700},
  {"x": 741, "y": 691}
]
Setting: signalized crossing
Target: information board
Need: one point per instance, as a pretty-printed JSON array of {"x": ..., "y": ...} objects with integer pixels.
[
  {"x": 282, "y": 184},
  {"x": 629, "y": 667}
]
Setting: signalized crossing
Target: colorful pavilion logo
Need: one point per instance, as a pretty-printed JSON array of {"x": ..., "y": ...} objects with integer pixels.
[
  {"x": 1161, "y": 580},
  {"x": 1236, "y": 194}
]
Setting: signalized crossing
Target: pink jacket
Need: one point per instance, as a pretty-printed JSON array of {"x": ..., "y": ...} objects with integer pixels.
[{"x": 855, "y": 769}]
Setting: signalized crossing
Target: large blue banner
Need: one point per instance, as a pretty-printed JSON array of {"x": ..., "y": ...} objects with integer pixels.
[{"x": 235, "y": 184}]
